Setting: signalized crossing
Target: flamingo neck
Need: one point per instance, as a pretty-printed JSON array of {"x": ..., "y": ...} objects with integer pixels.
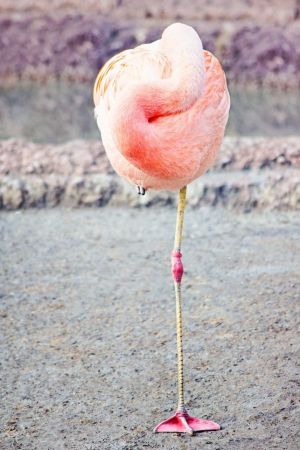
[
  {"x": 137, "y": 136},
  {"x": 183, "y": 48}
]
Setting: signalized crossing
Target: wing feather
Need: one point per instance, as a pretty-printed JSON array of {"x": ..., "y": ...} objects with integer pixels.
[{"x": 141, "y": 64}]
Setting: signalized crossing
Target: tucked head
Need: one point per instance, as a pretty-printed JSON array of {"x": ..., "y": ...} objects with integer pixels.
[{"x": 176, "y": 29}]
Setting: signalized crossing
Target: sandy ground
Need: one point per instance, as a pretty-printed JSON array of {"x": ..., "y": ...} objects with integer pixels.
[{"x": 87, "y": 312}]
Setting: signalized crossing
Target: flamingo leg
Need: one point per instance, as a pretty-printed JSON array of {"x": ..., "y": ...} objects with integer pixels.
[
  {"x": 181, "y": 422},
  {"x": 177, "y": 270}
]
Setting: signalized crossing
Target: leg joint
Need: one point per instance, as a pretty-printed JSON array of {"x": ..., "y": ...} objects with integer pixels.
[{"x": 177, "y": 266}]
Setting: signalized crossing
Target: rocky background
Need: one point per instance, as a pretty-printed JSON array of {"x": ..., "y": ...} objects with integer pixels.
[{"x": 257, "y": 41}]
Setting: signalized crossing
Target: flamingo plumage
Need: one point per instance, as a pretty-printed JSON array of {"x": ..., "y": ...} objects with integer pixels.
[{"x": 162, "y": 109}]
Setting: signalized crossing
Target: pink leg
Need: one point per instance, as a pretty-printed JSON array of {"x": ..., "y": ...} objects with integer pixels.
[{"x": 181, "y": 421}]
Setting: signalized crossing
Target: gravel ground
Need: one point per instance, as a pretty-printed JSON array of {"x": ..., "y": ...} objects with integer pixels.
[{"x": 87, "y": 312}]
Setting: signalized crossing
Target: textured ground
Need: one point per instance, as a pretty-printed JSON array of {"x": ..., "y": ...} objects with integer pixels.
[{"x": 88, "y": 344}]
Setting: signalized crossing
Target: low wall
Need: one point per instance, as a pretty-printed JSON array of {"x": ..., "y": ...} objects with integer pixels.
[{"x": 250, "y": 173}]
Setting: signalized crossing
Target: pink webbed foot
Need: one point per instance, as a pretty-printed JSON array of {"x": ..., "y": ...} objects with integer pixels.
[{"x": 182, "y": 422}]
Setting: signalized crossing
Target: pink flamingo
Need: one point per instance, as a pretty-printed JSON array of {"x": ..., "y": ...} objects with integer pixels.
[{"x": 162, "y": 109}]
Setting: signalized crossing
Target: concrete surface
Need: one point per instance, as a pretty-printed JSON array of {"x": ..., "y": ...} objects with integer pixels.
[{"x": 88, "y": 358}]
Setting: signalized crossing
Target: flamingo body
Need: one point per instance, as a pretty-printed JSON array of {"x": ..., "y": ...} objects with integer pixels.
[{"x": 162, "y": 109}]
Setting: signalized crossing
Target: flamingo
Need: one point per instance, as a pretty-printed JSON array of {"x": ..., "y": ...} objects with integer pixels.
[{"x": 162, "y": 109}]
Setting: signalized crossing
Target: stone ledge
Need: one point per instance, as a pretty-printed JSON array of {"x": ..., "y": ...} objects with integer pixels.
[
  {"x": 21, "y": 157},
  {"x": 238, "y": 190},
  {"x": 249, "y": 173}
]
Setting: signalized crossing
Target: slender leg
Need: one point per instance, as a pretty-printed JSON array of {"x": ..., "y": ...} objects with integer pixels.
[
  {"x": 177, "y": 270},
  {"x": 181, "y": 422}
]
